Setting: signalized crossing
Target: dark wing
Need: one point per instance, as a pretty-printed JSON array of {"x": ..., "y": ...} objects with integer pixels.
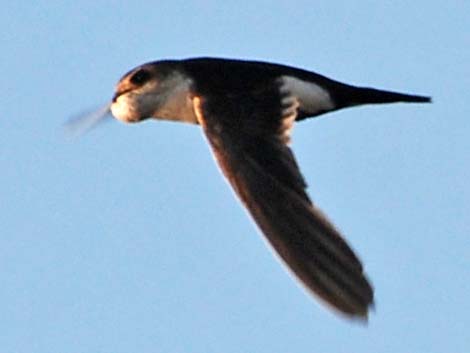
[{"x": 246, "y": 133}]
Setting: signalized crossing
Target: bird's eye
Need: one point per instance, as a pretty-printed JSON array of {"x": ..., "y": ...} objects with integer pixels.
[{"x": 140, "y": 77}]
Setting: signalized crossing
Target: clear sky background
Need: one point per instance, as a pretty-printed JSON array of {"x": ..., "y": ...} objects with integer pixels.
[{"x": 129, "y": 240}]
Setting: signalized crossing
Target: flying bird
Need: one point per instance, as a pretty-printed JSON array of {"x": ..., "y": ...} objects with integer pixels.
[{"x": 247, "y": 110}]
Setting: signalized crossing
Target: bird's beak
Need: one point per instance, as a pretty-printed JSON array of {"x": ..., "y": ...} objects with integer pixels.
[{"x": 119, "y": 93}]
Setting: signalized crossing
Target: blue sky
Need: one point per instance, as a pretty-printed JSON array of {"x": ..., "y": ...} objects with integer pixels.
[{"x": 129, "y": 239}]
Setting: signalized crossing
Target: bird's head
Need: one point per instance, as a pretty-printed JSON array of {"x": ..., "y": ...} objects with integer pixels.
[
  {"x": 140, "y": 93},
  {"x": 159, "y": 90}
]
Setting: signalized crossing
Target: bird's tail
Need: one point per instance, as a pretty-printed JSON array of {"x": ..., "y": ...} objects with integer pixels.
[{"x": 351, "y": 96}]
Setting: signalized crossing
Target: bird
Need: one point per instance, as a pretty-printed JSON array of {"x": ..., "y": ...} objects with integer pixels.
[{"x": 247, "y": 110}]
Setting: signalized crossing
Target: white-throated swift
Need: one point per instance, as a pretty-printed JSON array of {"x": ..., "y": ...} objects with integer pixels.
[{"x": 247, "y": 110}]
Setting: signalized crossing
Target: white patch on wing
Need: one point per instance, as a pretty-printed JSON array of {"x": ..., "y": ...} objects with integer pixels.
[{"x": 311, "y": 97}]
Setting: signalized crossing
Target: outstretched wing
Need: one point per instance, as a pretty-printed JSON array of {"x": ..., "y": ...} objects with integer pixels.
[{"x": 248, "y": 135}]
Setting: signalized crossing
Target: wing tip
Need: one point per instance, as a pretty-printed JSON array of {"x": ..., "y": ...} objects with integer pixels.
[{"x": 359, "y": 315}]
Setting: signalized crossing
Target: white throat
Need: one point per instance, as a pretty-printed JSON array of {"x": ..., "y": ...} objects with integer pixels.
[{"x": 177, "y": 105}]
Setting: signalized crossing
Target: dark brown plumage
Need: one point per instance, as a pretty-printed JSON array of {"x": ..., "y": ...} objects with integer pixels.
[{"x": 247, "y": 110}]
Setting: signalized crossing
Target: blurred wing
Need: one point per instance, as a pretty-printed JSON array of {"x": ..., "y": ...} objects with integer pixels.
[
  {"x": 85, "y": 122},
  {"x": 261, "y": 168}
]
